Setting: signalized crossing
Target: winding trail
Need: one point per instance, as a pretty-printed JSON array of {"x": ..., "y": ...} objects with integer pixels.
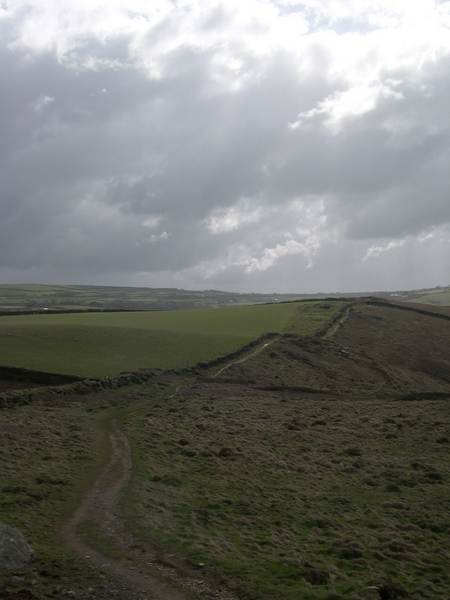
[
  {"x": 133, "y": 572},
  {"x": 236, "y": 362}
]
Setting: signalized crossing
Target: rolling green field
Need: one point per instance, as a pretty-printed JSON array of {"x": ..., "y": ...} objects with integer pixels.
[{"x": 101, "y": 344}]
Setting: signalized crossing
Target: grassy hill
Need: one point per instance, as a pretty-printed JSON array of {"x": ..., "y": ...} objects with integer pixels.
[
  {"x": 377, "y": 350},
  {"x": 316, "y": 468},
  {"x": 324, "y": 460}
]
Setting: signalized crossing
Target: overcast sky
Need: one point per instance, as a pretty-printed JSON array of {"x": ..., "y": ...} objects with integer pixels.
[{"x": 243, "y": 145}]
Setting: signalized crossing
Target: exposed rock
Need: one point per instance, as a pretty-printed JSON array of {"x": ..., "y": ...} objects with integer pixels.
[
  {"x": 225, "y": 452},
  {"x": 15, "y": 554},
  {"x": 391, "y": 591}
]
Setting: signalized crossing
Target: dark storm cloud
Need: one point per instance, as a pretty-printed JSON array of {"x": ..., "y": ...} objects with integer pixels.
[{"x": 203, "y": 147}]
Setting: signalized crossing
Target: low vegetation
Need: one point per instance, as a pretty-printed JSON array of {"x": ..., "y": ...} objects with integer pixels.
[
  {"x": 438, "y": 297},
  {"x": 49, "y": 453},
  {"x": 297, "y": 497},
  {"x": 318, "y": 468}
]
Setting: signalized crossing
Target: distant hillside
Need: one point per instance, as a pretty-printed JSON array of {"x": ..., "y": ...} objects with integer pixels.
[
  {"x": 439, "y": 296},
  {"x": 89, "y": 297},
  {"x": 56, "y": 298}
]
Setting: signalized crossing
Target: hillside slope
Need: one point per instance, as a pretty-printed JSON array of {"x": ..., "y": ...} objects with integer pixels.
[{"x": 378, "y": 349}]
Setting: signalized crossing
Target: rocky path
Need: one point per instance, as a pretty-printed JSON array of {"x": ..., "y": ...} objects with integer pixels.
[{"x": 140, "y": 573}]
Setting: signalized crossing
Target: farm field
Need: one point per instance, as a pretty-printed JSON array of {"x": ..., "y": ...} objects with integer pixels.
[
  {"x": 101, "y": 344},
  {"x": 439, "y": 296},
  {"x": 435, "y": 297},
  {"x": 34, "y": 298},
  {"x": 37, "y": 298}
]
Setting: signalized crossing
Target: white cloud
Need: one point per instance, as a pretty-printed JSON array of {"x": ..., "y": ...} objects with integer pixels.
[
  {"x": 152, "y": 239},
  {"x": 425, "y": 237},
  {"x": 42, "y": 101},
  {"x": 153, "y": 221},
  {"x": 271, "y": 255},
  {"x": 340, "y": 106},
  {"x": 375, "y": 251},
  {"x": 235, "y": 217}
]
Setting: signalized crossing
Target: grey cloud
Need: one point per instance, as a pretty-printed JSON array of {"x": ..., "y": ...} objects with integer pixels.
[{"x": 114, "y": 147}]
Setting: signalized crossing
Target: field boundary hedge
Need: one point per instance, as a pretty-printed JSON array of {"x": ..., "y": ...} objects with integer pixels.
[
  {"x": 420, "y": 311},
  {"x": 71, "y": 384},
  {"x": 30, "y": 375},
  {"x": 325, "y": 328}
]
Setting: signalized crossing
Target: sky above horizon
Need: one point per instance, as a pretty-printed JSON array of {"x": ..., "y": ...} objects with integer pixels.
[{"x": 246, "y": 145}]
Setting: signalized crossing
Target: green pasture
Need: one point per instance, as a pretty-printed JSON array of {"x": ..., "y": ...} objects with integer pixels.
[
  {"x": 100, "y": 344},
  {"x": 438, "y": 298}
]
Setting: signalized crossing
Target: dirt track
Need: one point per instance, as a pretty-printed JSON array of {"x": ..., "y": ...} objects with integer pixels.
[
  {"x": 131, "y": 577},
  {"x": 241, "y": 360}
]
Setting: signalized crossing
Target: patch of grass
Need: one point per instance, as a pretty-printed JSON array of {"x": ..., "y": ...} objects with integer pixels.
[
  {"x": 92, "y": 351},
  {"x": 436, "y": 297},
  {"x": 224, "y": 479},
  {"x": 309, "y": 316},
  {"x": 51, "y": 452}
]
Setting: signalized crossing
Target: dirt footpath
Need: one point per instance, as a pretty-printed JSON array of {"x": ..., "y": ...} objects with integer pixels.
[{"x": 140, "y": 572}]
